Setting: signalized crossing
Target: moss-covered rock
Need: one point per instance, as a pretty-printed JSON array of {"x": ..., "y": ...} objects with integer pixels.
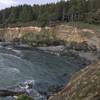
[{"x": 24, "y": 97}]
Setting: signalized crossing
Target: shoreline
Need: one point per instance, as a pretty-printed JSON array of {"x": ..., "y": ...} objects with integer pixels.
[{"x": 52, "y": 50}]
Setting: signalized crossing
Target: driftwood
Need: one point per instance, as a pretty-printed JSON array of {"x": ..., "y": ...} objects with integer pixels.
[{"x": 6, "y": 92}]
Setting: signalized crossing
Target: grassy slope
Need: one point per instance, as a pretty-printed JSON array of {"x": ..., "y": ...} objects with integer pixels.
[
  {"x": 84, "y": 25},
  {"x": 85, "y": 85},
  {"x": 92, "y": 27}
]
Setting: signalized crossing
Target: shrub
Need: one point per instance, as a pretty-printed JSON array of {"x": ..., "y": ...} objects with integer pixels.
[
  {"x": 45, "y": 37},
  {"x": 24, "y": 97},
  {"x": 93, "y": 17}
]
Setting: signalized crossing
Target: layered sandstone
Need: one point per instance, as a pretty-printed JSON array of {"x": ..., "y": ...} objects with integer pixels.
[{"x": 8, "y": 34}]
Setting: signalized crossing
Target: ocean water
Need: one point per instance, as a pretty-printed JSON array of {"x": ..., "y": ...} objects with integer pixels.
[{"x": 41, "y": 69}]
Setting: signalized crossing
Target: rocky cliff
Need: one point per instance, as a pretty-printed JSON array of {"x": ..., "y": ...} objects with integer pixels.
[
  {"x": 79, "y": 33},
  {"x": 62, "y": 32},
  {"x": 65, "y": 32},
  {"x": 85, "y": 85},
  {"x": 8, "y": 34}
]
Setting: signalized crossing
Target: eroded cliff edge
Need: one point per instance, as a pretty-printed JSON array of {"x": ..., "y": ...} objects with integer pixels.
[
  {"x": 63, "y": 32},
  {"x": 8, "y": 34}
]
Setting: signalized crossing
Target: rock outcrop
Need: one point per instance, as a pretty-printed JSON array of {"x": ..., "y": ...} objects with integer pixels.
[
  {"x": 8, "y": 92},
  {"x": 76, "y": 34},
  {"x": 66, "y": 33},
  {"x": 85, "y": 85},
  {"x": 69, "y": 34},
  {"x": 8, "y": 34},
  {"x": 62, "y": 32}
]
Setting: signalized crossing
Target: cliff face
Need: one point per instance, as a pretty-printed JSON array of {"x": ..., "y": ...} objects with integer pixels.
[
  {"x": 79, "y": 34},
  {"x": 85, "y": 85},
  {"x": 70, "y": 34},
  {"x": 63, "y": 33},
  {"x": 67, "y": 33},
  {"x": 8, "y": 34}
]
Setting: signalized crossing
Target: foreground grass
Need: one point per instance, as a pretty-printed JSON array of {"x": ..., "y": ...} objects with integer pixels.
[
  {"x": 84, "y": 25},
  {"x": 85, "y": 85},
  {"x": 24, "y": 97}
]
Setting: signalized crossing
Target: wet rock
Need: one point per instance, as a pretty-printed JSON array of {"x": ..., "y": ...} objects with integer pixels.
[{"x": 8, "y": 92}]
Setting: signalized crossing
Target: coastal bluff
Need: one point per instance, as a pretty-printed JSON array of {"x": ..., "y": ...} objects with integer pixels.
[
  {"x": 64, "y": 32},
  {"x": 8, "y": 34}
]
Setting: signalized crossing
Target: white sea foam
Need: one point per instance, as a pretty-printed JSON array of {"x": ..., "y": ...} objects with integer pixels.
[
  {"x": 31, "y": 91},
  {"x": 10, "y": 55},
  {"x": 16, "y": 51},
  {"x": 9, "y": 69},
  {"x": 9, "y": 58},
  {"x": 25, "y": 86},
  {"x": 30, "y": 82},
  {"x": 8, "y": 48},
  {"x": 14, "y": 70}
]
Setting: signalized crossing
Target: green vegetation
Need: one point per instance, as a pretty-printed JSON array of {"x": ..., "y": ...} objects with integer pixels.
[
  {"x": 24, "y": 97},
  {"x": 43, "y": 38},
  {"x": 41, "y": 15},
  {"x": 85, "y": 85}
]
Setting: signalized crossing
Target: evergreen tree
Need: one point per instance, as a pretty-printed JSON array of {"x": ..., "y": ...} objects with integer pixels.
[
  {"x": 84, "y": 10},
  {"x": 26, "y": 14}
]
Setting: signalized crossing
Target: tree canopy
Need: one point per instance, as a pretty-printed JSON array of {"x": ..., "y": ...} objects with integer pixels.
[{"x": 82, "y": 10}]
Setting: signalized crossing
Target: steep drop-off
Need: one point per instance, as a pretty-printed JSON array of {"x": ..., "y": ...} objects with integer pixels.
[
  {"x": 62, "y": 32},
  {"x": 8, "y": 34},
  {"x": 65, "y": 32}
]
